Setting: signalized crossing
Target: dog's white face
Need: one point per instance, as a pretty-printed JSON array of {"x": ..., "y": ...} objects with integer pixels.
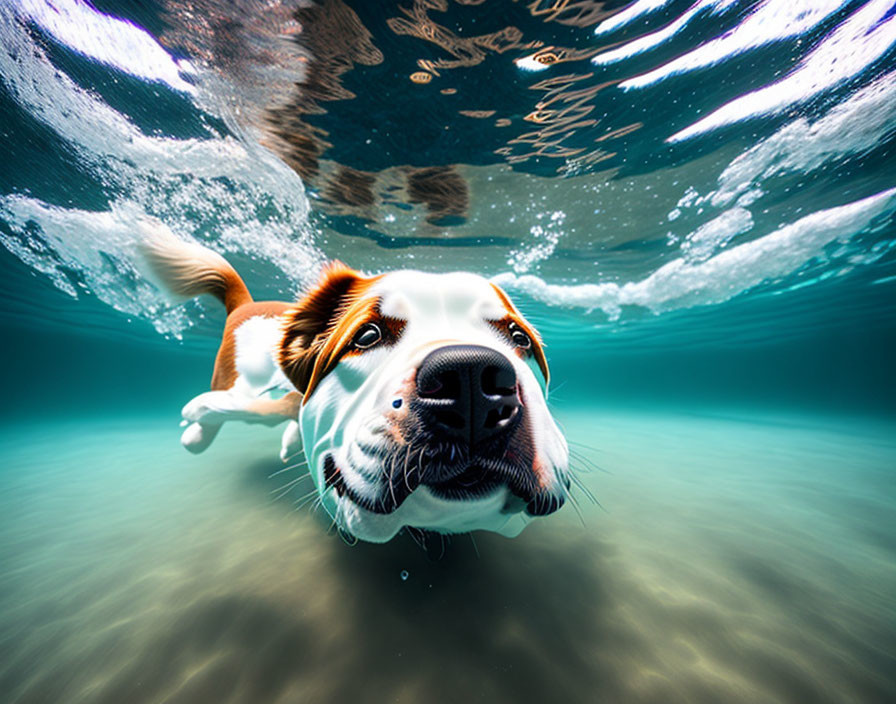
[{"x": 424, "y": 405}]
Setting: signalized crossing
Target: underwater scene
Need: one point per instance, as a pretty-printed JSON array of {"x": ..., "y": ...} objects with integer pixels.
[{"x": 626, "y": 432}]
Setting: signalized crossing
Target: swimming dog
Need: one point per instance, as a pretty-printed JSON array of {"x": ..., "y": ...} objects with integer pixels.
[{"x": 419, "y": 399}]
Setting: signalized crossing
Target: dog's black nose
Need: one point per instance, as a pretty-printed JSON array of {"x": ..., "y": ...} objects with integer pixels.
[{"x": 467, "y": 392}]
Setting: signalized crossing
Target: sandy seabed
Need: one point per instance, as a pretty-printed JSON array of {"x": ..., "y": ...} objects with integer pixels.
[{"x": 731, "y": 560}]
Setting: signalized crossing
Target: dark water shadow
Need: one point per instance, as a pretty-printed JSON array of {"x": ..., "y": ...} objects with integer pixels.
[
  {"x": 521, "y": 623},
  {"x": 483, "y": 618},
  {"x": 518, "y": 622}
]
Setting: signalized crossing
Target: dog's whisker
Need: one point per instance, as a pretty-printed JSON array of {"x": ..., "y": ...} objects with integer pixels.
[
  {"x": 302, "y": 500},
  {"x": 297, "y": 465},
  {"x": 583, "y": 445},
  {"x": 391, "y": 477},
  {"x": 418, "y": 536},
  {"x": 301, "y": 462},
  {"x": 279, "y": 471},
  {"x": 407, "y": 484},
  {"x": 334, "y": 524},
  {"x": 580, "y": 485},
  {"x": 316, "y": 503},
  {"x": 301, "y": 475},
  {"x": 420, "y": 456},
  {"x": 590, "y": 464},
  {"x": 286, "y": 488},
  {"x": 575, "y": 504}
]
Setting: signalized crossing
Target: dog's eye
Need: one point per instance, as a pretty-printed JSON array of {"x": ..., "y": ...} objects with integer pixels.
[
  {"x": 367, "y": 336},
  {"x": 519, "y": 337}
]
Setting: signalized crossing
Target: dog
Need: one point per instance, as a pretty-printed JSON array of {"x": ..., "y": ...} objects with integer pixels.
[{"x": 419, "y": 399}]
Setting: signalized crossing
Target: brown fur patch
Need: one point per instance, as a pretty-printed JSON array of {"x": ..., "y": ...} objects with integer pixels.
[
  {"x": 514, "y": 316},
  {"x": 318, "y": 331},
  {"x": 338, "y": 339},
  {"x": 312, "y": 321},
  {"x": 225, "y": 372},
  {"x": 542, "y": 476},
  {"x": 287, "y": 406}
]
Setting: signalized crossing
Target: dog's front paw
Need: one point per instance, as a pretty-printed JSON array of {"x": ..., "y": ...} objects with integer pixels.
[{"x": 197, "y": 436}]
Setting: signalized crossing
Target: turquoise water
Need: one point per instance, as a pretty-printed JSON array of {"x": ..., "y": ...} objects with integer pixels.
[{"x": 692, "y": 201}]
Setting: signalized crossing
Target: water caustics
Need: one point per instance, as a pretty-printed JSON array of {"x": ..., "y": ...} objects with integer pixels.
[
  {"x": 725, "y": 228},
  {"x": 861, "y": 40},
  {"x": 770, "y": 21},
  {"x": 694, "y": 201},
  {"x": 109, "y": 40}
]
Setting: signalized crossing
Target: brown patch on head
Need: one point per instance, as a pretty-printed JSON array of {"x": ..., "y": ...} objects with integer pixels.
[
  {"x": 307, "y": 325},
  {"x": 319, "y": 330},
  {"x": 337, "y": 341},
  {"x": 515, "y": 317}
]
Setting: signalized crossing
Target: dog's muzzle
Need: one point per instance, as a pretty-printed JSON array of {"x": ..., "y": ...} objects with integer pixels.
[
  {"x": 467, "y": 394},
  {"x": 469, "y": 409},
  {"x": 466, "y": 436}
]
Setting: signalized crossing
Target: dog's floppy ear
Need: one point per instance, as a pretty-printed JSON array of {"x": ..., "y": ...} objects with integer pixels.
[{"x": 307, "y": 325}]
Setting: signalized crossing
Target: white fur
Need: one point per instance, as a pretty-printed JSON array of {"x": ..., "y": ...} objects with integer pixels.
[
  {"x": 350, "y": 406},
  {"x": 257, "y": 341},
  {"x": 258, "y": 376}
]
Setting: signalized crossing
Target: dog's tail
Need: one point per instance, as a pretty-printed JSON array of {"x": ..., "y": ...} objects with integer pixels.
[{"x": 186, "y": 269}]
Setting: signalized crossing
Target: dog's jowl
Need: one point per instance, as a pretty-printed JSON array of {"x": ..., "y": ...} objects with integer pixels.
[{"x": 418, "y": 399}]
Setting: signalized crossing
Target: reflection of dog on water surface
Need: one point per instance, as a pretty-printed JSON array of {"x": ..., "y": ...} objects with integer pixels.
[
  {"x": 385, "y": 104},
  {"x": 419, "y": 399}
]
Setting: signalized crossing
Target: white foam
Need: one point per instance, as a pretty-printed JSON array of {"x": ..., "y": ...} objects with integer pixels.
[
  {"x": 97, "y": 247},
  {"x": 238, "y": 197},
  {"x": 716, "y": 233},
  {"x": 772, "y": 20},
  {"x": 546, "y": 237},
  {"x": 854, "y": 126},
  {"x": 856, "y": 43},
  {"x": 629, "y": 14},
  {"x": 683, "y": 283},
  {"x": 654, "y": 39},
  {"x": 107, "y": 39}
]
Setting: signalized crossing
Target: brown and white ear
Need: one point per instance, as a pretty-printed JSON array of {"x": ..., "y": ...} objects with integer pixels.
[{"x": 307, "y": 325}]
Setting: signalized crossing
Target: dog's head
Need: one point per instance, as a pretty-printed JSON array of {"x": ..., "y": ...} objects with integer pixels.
[{"x": 424, "y": 404}]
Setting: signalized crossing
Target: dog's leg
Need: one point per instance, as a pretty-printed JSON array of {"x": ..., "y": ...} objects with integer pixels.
[
  {"x": 198, "y": 436},
  {"x": 206, "y": 412},
  {"x": 274, "y": 411}
]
